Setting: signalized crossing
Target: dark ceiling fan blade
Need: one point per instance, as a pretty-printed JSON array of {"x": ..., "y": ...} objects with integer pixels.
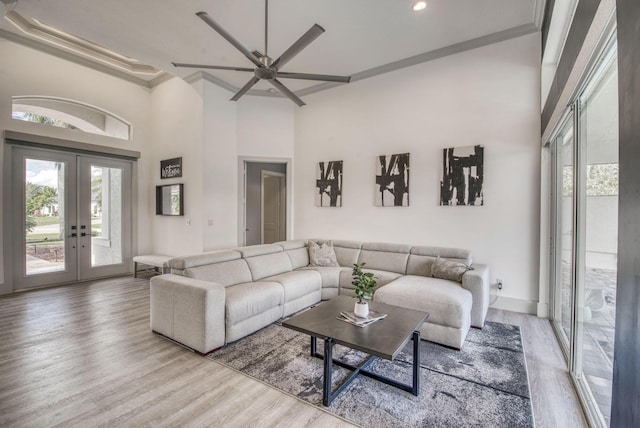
[
  {"x": 300, "y": 44},
  {"x": 308, "y": 76},
  {"x": 245, "y": 88},
  {"x": 213, "y": 67},
  {"x": 293, "y": 97},
  {"x": 228, "y": 37}
]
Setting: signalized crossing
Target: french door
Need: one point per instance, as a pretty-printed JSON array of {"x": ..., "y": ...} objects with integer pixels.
[{"x": 71, "y": 217}]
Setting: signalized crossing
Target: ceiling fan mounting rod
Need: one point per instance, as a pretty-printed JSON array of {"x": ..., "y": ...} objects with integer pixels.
[{"x": 266, "y": 27}]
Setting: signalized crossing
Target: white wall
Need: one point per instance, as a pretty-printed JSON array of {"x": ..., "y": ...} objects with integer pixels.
[
  {"x": 220, "y": 166},
  {"x": 265, "y": 127},
  {"x": 25, "y": 71},
  {"x": 177, "y": 115},
  {"x": 488, "y": 96},
  {"x": 198, "y": 122}
]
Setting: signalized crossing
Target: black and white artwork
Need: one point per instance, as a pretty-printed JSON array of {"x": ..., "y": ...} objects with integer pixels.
[
  {"x": 329, "y": 184},
  {"x": 462, "y": 176},
  {"x": 392, "y": 180}
]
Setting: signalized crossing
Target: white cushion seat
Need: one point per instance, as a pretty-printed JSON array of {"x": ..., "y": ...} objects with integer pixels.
[
  {"x": 250, "y": 306},
  {"x": 302, "y": 288},
  {"x": 330, "y": 279},
  {"x": 448, "y": 305}
]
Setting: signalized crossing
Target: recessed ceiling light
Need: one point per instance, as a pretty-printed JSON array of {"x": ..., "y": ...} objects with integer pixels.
[{"x": 419, "y": 5}]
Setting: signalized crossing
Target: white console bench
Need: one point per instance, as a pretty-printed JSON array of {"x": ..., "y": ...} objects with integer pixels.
[{"x": 159, "y": 262}]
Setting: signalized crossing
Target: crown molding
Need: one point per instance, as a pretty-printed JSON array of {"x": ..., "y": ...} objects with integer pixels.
[
  {"x": 538, "y": 12},
  {"x": 500, "y": 36},
  {"x": 49, "y": 40}
]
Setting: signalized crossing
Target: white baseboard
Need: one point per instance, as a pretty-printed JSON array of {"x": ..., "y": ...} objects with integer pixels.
[
  {"x": 543, "y": 310},
  {"x": 516, "y": 305}
]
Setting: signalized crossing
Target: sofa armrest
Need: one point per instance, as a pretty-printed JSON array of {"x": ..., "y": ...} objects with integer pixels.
[
  {"x": 189, "y": 311},
  {"x": 477, "y": 281}
]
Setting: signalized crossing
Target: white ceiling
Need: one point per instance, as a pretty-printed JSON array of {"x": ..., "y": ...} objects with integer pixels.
[{"x": 362, "y": 38}]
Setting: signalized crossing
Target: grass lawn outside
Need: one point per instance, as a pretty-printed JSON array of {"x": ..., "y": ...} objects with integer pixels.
[
  {"x": 52, "y": 238},
  {"x": 46, "y": 220}
]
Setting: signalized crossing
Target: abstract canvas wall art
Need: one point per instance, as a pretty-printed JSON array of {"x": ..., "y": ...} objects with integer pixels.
[
  {"x": 392, "y": 180},
  {"x": 329, "y": 184},
  {"x": 462, "y": 176}
]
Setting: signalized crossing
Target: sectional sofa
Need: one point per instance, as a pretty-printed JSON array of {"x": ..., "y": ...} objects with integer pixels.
[{"x": 214, "y": 298}]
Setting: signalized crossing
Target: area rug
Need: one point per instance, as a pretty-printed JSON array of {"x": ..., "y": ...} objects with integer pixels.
[{"x": 483, "y": 385}]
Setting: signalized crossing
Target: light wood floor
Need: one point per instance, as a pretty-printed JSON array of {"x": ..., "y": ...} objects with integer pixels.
[{"x": 84, "y": 355}]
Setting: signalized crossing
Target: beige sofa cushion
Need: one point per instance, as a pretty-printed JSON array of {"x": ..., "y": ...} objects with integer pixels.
[
  {"x": 185, "y": 262},
  {"x": 297, "y": 252},
  {"x": 258, "y": 250},
  {"x": 447, "y": 303},
  {"x": 246, "y": 300},
  {"x": 347, "y": 252},
  {"x": 269, "y": 265},
  {"x": 447, "y": 269},
  {"x": 297, "y": 283},
  {"x": 225, "y": 273},
  {"x": 386, "y": 257},
  {"x": 421, "y": 258},
  {"x": 322, "y": 254},
  {"x": 382, "y": 278}
]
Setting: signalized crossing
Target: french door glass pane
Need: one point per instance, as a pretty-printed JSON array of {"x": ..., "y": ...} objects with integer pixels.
[
  {"x": 106, "y": 216},
  {"x": 44, "y": 216},
  {"x": 597, "y": 294}
]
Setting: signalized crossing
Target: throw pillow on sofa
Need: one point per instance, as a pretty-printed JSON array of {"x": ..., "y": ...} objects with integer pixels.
[
  {"x": 446, "y": 269},
  {"x": 322, "y": 254}
]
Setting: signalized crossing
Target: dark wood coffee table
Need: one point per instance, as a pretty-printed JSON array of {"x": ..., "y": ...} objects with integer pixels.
[{"x": 384, "y": 339}]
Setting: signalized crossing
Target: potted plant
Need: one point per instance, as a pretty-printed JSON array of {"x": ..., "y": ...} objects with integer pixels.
[{"x": 365, "y": 285}]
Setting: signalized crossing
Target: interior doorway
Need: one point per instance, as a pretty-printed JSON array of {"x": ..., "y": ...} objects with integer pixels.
[
  {"x": 273, "y": 207},
  {"x": 265, "y": 201}
]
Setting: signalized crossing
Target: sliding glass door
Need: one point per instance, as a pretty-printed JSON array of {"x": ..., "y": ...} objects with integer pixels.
[
  {"x": 584, "y": 260},
  {"x": 563, "y": 262}
]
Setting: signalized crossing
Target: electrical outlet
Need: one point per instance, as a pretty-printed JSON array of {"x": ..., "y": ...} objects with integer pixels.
[
  {"x": 188, "y": 222},
  {"x": 500, "y": 284}
]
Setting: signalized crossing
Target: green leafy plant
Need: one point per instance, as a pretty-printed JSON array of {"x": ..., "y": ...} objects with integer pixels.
[{"x": 364, "y": 283}]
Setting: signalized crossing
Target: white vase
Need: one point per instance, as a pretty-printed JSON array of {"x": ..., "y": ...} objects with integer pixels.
[{"x": 361, "y": 309}]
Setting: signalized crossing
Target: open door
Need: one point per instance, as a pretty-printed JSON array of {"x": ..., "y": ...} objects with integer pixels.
[
  {"x": 251, "y": 201},
  {"x": 273, "y": 207}
]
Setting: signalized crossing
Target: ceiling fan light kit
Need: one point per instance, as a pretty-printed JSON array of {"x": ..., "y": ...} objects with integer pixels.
[{"x": 265, "y": 67}]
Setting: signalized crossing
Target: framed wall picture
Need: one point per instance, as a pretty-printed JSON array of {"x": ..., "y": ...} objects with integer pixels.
[
  {"x": 171, "y": 168},
  {"x": 392, "y": 180},
  {"x": 329, "y": 184},
  {"x": 462, "y": 176}
]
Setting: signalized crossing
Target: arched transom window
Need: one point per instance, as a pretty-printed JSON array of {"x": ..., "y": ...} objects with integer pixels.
[{"x": 70, "y": 114}]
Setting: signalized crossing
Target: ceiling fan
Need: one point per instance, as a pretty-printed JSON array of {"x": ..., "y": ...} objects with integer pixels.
[{"x": 265, "y": 67}]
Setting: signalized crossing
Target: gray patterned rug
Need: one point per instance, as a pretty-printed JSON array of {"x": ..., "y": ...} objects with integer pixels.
[{"x": 483, "y": 385}]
